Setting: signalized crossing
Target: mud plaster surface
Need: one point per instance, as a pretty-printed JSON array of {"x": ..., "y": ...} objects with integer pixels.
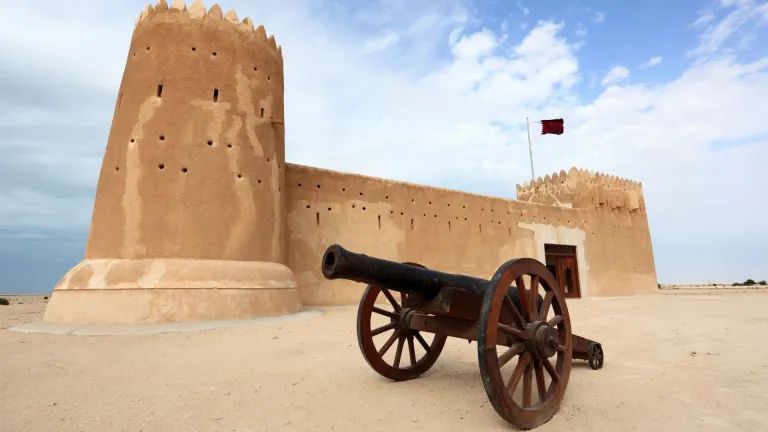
[{"x": 674, "y": 362}]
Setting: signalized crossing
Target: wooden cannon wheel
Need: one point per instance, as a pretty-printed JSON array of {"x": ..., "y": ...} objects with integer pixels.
[
  {"x": 401, "y": 334},
  {"x": 531, "y": 339}
]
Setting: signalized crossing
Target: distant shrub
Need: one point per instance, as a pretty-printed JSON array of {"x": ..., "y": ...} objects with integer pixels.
[
  {"x": 4, "y": 302},
  {"x": 749, "y": 282}
]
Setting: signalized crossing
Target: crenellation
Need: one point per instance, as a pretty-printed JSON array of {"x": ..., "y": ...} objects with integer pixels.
[
  {"x": 261, "y": 34},
  {"x": 145, "y": 13},
  {"x": 580, "y": 175},
  {"x": 215, "y": 12},
  {"x": 231, "y": 16},
  {"x": 247, "y": 24},
  {"x": 197, "y": 11},
  {"x": 161, "y": 6}
]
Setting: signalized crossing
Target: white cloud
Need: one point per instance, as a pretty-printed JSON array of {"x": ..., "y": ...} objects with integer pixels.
[
  {"x": 615, "y": 75},
  {"x": 651, "y": 62},
  {"x": 460, "y": 120},
  {"x": 381, "y": 43},
  {"x": 703, "y": 19},
  {"x": 523, "y": 9},
  {"x": 581, "y": 30},
  {"x": 475, "y": 45},
  {"x": 742, "y": 21},
  {"x": 598, "y": 17}
]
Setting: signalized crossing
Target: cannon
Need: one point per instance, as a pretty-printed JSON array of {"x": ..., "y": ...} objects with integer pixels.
[{"x": 509, "y": 322}]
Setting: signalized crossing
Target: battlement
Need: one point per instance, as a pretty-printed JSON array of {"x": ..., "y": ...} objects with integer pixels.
[
  {"x": 580, "y": 188},
  {"x": 161, "y": 12},
  {"x": 578, "y": 175}
]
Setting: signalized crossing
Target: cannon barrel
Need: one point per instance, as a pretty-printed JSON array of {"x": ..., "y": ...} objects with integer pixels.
[{"x": 339, "y": 263}]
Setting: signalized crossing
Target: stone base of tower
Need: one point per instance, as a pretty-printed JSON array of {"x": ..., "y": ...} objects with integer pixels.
[{"x": 150, "y": 291}]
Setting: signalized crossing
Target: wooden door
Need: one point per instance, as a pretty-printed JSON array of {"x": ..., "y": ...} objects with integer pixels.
[{"x": 568, "y": 276}]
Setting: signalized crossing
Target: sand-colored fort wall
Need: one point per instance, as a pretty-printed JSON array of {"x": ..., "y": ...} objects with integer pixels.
[
  {"x": 197, "y": 216},
  {"x": 462, "y": 232},
  {"x": 618, "y": 240},
  {"x": 188, "y": 222}
]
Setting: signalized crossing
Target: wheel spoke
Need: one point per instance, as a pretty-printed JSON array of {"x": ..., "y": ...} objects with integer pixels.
[
  {"x": 421, "y": 340},
  {"x": 515, "y": 313},
  {"x": 551, "y": 369},
  {"x": 399, "y": 352},
  {"x": 412, "y": 350},
  {"x": 527, "y": 384},
  {"x": 525, "y": 303},
  {"x": 522, "y": 365},
  {"x": 514, "y": 350},
  {"x": 383, "y": 328},
  {"x": 391, "y": 299},
  {"x": 520, "y": 334},
  {"x": 540, "y": 381},
  {"x": 557, "y": 319},
  {"x": 384, "y": 348},
  {"x": 386, "y": 313},
  {"x": 546, "y": 305},
  {"x": 534, "y": 296}
]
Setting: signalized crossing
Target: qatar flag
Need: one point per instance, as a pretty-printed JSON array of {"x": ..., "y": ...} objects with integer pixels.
[{"x": 554, "y": 126}]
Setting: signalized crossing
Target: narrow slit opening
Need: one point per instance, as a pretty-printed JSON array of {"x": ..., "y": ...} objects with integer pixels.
[
  {"x": 262, "y": 113},
  {"x": 159, "y": 90},
  {"x": 449, "y": 225},
  {"x": 215, "y": 95},
  {"x": 317, "y": 218},
  {"x": 411, "y": 223},
  {"x": 379, "y": 221}
]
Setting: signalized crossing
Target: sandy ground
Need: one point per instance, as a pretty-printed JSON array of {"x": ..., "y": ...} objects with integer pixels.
[{"x": 674, "y": 362}]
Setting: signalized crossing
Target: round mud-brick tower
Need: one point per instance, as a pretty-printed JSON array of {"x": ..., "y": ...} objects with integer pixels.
[{"x": 188, "y": 222}]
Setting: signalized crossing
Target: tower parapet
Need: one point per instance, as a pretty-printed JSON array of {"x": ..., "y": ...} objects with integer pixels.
[
  {"x": 582, "y": 188},
  {"x": 189, "y": 218}
]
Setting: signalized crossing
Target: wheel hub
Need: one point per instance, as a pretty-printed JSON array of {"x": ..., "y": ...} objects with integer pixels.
[
  {"x": 544, "y": 341},
  {"x": 404, "y": 318}
]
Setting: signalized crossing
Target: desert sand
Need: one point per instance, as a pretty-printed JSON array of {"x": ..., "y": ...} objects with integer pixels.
[{"x": 682, "y": 361}]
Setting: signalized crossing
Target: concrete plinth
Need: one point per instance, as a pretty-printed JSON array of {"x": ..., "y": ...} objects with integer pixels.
[{"x": 120, "y": 291}]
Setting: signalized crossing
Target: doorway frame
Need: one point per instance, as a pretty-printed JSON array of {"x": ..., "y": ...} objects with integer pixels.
[{"x": 562, "y": 252}]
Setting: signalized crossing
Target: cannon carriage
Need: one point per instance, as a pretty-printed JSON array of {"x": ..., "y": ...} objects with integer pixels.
[{"x": 508, "y": 321}]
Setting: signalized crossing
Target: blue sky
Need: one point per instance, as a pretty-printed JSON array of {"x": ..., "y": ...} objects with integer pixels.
[{"x": 669, "y": 93}]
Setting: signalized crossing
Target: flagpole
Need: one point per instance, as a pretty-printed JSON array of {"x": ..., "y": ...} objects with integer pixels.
[{"x": 530, "y": 151}]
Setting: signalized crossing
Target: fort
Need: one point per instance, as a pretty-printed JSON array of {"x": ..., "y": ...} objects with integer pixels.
[{"x": 198, "y": 217}]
